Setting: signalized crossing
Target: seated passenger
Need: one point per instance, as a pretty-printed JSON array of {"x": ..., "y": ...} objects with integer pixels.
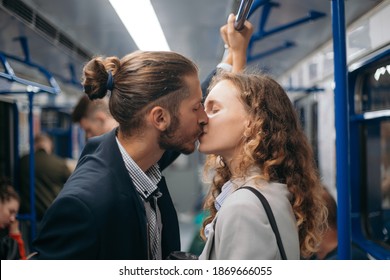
[{"x": 11, "y": 242}]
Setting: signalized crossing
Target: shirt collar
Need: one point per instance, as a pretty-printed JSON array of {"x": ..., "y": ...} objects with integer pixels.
[
  {"x": 145, "y": 182},
  {"x": 226, "y": 190},
  {"x": 230, "y": 186}
]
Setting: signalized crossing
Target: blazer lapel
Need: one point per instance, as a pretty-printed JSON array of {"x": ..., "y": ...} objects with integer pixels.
[{"x": 112, "y": 154}]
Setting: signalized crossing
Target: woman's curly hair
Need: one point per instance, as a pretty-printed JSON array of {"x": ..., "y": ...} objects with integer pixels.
[{"x": 276, "y": 143}]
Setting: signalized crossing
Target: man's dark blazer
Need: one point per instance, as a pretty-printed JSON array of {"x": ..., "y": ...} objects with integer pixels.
[{"x": 99, "y": 214}]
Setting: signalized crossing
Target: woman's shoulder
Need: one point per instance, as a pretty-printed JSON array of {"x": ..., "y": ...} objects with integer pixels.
[
  {"x": 244, "y": 200},
  {"x": 270, "y": 190},
  {"x": 241, "y": 202}
]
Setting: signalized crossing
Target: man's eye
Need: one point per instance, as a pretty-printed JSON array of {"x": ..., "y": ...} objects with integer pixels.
[{"x": 199, "y": 106}]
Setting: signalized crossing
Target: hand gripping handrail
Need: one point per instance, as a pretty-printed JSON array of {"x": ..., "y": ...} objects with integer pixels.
[{"x": 242, "y": 14}]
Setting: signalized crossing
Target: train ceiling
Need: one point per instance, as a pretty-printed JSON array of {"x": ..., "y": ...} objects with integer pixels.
[{"x": 63, "y": 34}]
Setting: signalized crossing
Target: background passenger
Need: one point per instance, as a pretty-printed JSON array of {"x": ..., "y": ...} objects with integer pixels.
[
  {"x": 51, "y": 173},
  {"x": 11, "y": 242},
  {"x": 328, "y": 247},
  {"x": 93, "y": 116}
]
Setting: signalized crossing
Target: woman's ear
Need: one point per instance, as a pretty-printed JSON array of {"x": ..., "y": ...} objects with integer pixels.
[
  {"x": 247, "y": 126},
  {"x": 159, "y": 118},
  {"x": 248, "y": 123}
]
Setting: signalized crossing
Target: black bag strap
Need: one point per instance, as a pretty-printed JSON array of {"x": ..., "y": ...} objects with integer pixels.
[{"x": 271, "y": 219}]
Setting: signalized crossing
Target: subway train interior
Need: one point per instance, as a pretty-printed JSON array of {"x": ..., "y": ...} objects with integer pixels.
[{"x": 332, "y": 57}]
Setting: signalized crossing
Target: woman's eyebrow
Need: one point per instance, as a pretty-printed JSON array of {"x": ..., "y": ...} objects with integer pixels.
[{"x": 213, "y": 101}]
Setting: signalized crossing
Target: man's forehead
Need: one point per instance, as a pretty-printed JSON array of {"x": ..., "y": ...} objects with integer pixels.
[{"x": 193, "y": 84}]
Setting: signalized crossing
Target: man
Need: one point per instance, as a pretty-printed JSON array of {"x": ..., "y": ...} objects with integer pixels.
[
  {"x": 116, "y": 204},
  {"x": 51, "y": 173},
  {"x": 94, "y": 117}
]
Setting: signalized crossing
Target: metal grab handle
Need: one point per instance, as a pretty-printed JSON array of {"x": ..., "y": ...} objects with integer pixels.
[{"x": 242, "y": 14}]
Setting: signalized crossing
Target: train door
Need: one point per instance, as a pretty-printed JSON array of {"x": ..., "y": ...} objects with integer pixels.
[
  {"x": 9, "y": 139},
  {"x": 370, "y": 154}
]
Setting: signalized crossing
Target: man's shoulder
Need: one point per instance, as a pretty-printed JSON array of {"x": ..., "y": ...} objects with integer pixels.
[{"x": 96, "y": 144}]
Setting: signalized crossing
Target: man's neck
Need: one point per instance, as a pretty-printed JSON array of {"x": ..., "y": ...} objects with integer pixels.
[{"x": 143, "y": 150}]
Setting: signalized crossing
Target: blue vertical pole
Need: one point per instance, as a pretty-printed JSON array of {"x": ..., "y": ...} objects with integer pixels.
[
  {"x": 31, "y": 165},
  {"x": 342, "y": 130}
]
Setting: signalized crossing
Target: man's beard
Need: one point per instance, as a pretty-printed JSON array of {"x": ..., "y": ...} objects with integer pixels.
[{"x": 171, "y": 140}]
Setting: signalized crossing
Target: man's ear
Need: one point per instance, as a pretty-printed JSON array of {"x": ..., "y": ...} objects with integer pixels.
[
  {"x": 159, "y": 118},
  {"x": 100, "y": 116}
]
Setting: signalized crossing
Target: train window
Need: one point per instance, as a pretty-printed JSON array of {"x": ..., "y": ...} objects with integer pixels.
[
  {"x": 52, "y": 118},
  {"x": 385, "y": 164},
  {"x": 314, "y": 130},
  {"x": 369, "y": 143},
  {"x": 57, "y": 123},
  {"x": 307, "y": 110},
  {"x": 376, "y": 193},
  {"x": 302, "y": 117},
  {"x": 372, "y": 87}
]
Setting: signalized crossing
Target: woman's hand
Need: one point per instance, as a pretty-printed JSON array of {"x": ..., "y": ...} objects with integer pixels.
[{"x": 237, "y": 42}]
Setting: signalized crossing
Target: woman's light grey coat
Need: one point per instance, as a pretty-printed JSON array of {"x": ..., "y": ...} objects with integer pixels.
[{"x": 241, "y": 230}]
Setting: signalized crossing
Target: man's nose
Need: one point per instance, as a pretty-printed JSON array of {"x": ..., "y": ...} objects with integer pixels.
[{"x": 204, "y": 119}]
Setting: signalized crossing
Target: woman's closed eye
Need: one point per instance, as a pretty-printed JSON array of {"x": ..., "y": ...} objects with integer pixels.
[{"x": 212, "y": 110}]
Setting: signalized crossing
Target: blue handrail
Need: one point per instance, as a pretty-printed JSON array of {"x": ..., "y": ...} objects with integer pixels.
[
  {"x": 313, "y": 89},
  {"x": 342, "y": 130},
  {"x": 262, "y": 33},
  {"x": 32, "y": 88}
]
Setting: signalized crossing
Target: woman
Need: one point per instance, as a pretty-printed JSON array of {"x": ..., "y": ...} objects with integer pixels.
[
  {"x": 11, "y": 242},
  {"x": 253, "y": 138}
]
